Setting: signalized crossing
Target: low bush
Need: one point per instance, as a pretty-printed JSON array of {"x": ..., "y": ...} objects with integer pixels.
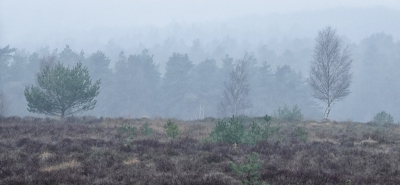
[
  {"x": 128, "y": 129},
  {"x": 146, "y": 130},
  {"x": 289, "y": 115},
  {"x": 172, "y": 129},
  {"x": 301, "y": 134},
  {"x": 258, "y": 132},
  {"x": 249, "y": 173},
  {"x": 231, "y": 132},
  {"x": 382, "y": 118},
  {"x": 235, "y": 131}
]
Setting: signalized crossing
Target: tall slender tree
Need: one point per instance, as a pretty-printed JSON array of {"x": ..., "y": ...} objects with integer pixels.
[
  {"x": 330, "y": 75},
  {"x": 235, "y": 98}
]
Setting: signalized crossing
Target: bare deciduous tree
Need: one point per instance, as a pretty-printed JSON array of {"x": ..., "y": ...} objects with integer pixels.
[
  {"x": 330, "y": 75},
  {"x": 235, "y": 98}
]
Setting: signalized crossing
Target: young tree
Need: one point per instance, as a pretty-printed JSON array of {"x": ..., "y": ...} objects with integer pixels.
[
  {"x": 330, "y": 75},
  {"x": 235, "y": 98},
  {"x": 62, "y": 91}
]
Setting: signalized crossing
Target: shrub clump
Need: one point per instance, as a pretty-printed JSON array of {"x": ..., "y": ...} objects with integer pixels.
[
  {"x": 235, "y": 131},
  {"x": 172, "y": 129},
  {"x": 230, "y": 132},
  {"x": 301, "y": 134},
  {"x": 289, "y": 115},
  {"x": 146, "y": 130},
  {"x": 249, "y": 172},
  {"x": 382, "y": 118},
  {"x": 129, "y": 130}
]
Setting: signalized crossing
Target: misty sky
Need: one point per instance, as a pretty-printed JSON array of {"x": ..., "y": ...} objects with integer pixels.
[{"x": 42, "y": 21}]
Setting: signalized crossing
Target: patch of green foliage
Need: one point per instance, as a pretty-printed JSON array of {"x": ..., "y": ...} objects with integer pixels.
[
  {"x": 146, "y": 130},
  {"x": 62, "y": 91},
  {"x": 301, "y": 134},
  {"x": 129, "y": 130},
  {"x": 249, "y": 172},
  {"x": 289, "y": 115},
  {"x": 235, "y": 131},
  {"x": 172, "y": 129},
  {"x": 231, "y": 132},
  {"x": 382, "y": 118}
]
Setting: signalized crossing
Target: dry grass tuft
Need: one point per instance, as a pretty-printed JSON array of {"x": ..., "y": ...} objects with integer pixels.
[
  {"x": 368, "y": 141},
  {"x": 45, "y": 156},
  {"x": 131, "y": 161},
  {"x": 62, "y": 166}
]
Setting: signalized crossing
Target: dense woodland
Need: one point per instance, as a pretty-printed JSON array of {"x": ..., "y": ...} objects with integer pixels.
[{"x": 178, "y": 80}]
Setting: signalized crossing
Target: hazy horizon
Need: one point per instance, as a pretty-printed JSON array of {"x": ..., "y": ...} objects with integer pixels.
[{"x": 40, "y": 23}]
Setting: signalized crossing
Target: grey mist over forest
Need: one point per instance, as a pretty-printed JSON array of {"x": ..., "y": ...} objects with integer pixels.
[{"x": 174, "y": 58}]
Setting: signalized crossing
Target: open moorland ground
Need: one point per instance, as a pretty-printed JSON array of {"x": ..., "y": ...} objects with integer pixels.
[{"x": 98, "y": 151}]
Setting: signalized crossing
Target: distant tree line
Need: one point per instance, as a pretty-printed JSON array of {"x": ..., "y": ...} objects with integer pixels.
[{"x": 137, "y": 86}]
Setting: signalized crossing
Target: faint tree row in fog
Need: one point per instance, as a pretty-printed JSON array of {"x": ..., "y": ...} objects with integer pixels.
[
  {"x": 330, "y": 75},
  {"x": 137, "y": 86},
  {"x": 5, "y": 56}
]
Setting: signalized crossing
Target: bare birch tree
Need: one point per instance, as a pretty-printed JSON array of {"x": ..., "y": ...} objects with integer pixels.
[
  {"x": 330, "y": 75},
  {"x": 235, "y": 98}
]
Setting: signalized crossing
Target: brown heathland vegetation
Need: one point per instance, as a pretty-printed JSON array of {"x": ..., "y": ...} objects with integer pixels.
[{"x": 90, "y": 150}]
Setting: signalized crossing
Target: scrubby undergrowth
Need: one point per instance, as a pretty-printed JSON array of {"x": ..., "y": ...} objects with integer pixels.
[{"x": 116, "y": 151}]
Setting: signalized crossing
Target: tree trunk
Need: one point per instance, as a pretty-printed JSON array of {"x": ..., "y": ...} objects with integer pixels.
[{"x": 327, "y": 111}]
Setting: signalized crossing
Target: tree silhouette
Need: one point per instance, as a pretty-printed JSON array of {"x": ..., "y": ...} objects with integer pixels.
[
  {"x": 235, "y": 98},
  {"x": 330, "y": 75},
  {"x": 62, "y": 91}
]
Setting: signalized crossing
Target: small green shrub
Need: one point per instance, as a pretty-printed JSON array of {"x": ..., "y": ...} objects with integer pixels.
[
  {"x": 301, "y": 134},
  {"x": 382, "y": 118},
  {"x": 231, "y": 132},
  {"x": 172, "y": 129},
  {"x": 235, "y": 131},
  {"x": 249, "y": 172},
  {"x": 128, "y": 129},
  {"x": 289, "y": 115},
  {"x": 146, "y": 130},
  {"x": 254, "y": 134},
  {"x": 258, "y": 133}
]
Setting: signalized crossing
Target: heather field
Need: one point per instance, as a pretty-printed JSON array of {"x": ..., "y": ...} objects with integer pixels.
[{"x": 88, "y": 150}]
